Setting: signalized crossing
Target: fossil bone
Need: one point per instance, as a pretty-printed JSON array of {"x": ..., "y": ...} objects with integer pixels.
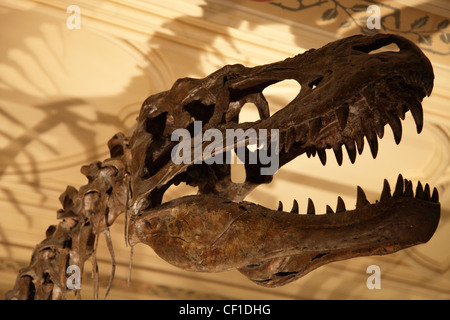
[{"x": 347, "y": 93}]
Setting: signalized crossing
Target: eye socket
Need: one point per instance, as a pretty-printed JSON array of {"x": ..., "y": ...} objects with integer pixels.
[
  {"x": 156, "y": 125},
  {"x": 315, "y": 83},
  {"x": 200, "y": 112}
]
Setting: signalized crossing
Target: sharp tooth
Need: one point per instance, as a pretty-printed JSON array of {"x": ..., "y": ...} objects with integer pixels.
[
  {"x": 311, "y": 209},
  {"x": 360, "y": 143},
  {"x": 419, "y": 191},
  {"x": 435, "y": 196},
  {"x": 308, "y": 153},
  {"x": 338, "y": 154},
  {"x": 401, "y": 112},
  {"x": 398, "y": 187},
  {"x": 329, "y": 210},
  {"x": 408, "y": 189},
  {"x": 361, "y": 199},
  {"x": 342, "y": 115},
  {"x": 322, "y": 156},
  {"x": 314, "y": 128},
  {"x": 426, "y": 192},
  {"x": 396, "y": 127},
  {"x": 351, "y": 150},
  {"x": 373, "y": 143},
  {"x": 340, "y": 205},
  {"x": 380, "y": 129},
  {"x": 386, "y": 193},
  {"x": 294, "y": 207},
  {"x": 417, "y": 112},
  {"x": 280, "y": 206}
]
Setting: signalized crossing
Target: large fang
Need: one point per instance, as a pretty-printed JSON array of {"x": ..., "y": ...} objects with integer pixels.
[
  {"x": 380, "y": 129},
  {"x": 361, "y": 199},
  {"x": 338, "y": 154},
  {"x": 396, "y": 127},
  {"x": 419, "y": 191},
  {"x": 373, "y": 143},
  {"x": 417, "y": 113},
  {"x": 386, "y": 193},
  {"x": 360, "y": 143},
  {"x": 342, "y": 115},
  {"x": 351, "y": 150},
  {"x": 294, "y": 207},
  {"x": 408, "y": 189},
  {"x": 340, "y": 205},
  {"x": 426, "y": 191},
  {"x": 280, "y": 206},
  {"x": 435, "y": 196},
  {"x": 311, "y": 209},
  {"x": 322, "y": 156},
  {"x": 398, "y": 187}
]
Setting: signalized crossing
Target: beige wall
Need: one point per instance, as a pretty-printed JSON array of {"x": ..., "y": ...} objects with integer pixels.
[{"x": 64, "y": 93}]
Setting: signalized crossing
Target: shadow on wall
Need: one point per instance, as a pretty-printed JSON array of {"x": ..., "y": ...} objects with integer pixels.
[
  {"x": 61, "y": 106},
  {"x": 56, "y": 102}
]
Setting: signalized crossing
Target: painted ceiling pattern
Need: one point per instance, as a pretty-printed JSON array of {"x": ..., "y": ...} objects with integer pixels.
[{"x": 430, "y": 31}]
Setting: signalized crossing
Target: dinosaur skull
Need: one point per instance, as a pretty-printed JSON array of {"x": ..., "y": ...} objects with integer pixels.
[{"x": 347, "y": 93}]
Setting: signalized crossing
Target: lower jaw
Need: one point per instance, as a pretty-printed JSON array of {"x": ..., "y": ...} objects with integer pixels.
[{"x": 212, "y": 234}]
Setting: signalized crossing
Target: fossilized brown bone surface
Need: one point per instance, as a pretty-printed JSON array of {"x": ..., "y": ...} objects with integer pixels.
[
  {"x": 87, "y": 213},
  {"x": 212, "y": 234},
  {"x": 347, "y": 94}
]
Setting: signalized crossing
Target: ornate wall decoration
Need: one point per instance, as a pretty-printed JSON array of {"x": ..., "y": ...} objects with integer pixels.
[{"x": 430, "y": 31}]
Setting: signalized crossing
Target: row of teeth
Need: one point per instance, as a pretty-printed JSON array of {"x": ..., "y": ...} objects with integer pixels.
[
  {"x": 312, "y": 131},
  {"x": 403, "y": 188}
]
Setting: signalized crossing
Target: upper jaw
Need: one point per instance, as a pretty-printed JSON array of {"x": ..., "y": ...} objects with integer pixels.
[
  {"x": 347, "y": 94},
  {"x": 344, "y": 99},
  {"x": 345, "y": 122}
]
